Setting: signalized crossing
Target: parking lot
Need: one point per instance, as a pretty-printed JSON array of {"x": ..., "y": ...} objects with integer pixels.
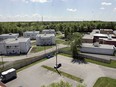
[{"x": 36, "y": 76}]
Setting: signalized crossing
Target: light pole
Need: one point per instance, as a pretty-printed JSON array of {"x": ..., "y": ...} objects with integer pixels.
[{"x": 56, "y": 54}]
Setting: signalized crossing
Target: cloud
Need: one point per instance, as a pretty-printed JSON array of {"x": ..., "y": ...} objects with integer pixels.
[
  {"x": 39, "y": 1},
  {"x": 106, "y": 3},
  {"x": 26, "y": 1},
  {"x": 25, "y": 17},
  {"x": 114, "y": 9},
  {"x": 71, "y": 10},
  {"x": 102, "y": 8}
]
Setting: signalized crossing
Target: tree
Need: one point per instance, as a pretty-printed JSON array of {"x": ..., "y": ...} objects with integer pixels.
[{"x": 76, "y": 44}]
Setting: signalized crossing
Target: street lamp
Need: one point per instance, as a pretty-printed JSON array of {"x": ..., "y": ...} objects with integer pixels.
[{"x": 57, "y": 65}]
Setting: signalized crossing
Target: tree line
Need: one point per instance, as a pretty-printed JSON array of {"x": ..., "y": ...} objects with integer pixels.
[{"x": 66, "y": 27}]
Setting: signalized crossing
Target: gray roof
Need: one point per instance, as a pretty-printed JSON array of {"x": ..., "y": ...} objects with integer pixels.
[
  {"x": 32, "y": 32},
  {"x": 10, "y": 34},
  {"x": 104, "y": 46},
  {"x": 15, "y": 40},
  {"x": 45, "y": 35},
  {"x": 48, "y": 30}
]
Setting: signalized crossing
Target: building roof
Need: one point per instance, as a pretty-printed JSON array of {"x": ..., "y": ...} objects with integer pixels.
[
  {"x": 15, "y": 40},
  {"x": 48, "y": 30},
  {"x": 87, "y": 36},
  {"x": 45, "y": 35},
  {"x": 103, "y": 46},
  {"x": 106, "y": 39},
  {"x": 32, "y": 31},
  {"x": 106, "y": 30},
  {"x": 100, "y": 35},
  {"x": 10, "y": 34}
]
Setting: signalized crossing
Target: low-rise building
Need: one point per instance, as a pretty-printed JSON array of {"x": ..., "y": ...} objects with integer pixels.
[
  {"x": 15, "y": 46},
  {"x": 106, "y": 31},
  {"x": 10, "y": 35},
  {"x": 30, "y": 34},
  {"x": 45, "y": 39},
  {"x": 48, "y": 31},
  {"x": 98, "y": 48}
]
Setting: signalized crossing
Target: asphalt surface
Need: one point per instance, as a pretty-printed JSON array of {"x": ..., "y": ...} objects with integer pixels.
[{"x": 36, "y": 76}]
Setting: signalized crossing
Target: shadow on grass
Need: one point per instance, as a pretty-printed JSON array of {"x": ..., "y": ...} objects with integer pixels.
[{"x": 58, "y": 72}]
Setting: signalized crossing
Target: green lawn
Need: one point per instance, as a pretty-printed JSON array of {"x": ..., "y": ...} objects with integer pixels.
[
  {"x": 112, "y": 64},
  {"x": 40, "y": 48},
  {"x": 60, "y": 41},
  {"x": 105, "y": 82},
  {"x": 63, "y": 73}
]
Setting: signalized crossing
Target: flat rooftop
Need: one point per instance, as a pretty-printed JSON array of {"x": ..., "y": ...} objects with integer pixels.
[
  {"x": 48, "y": 30},
  {"x": 87, "y": 36},
  {"x": 10, "y": 34},
  {"x": 45, "y": 35},
  {"x": 15, "y": 40},
  {"x": 103, "y": 46},
  {"x": 106, "y": 29},
  {"x": 32, "y": 32}
]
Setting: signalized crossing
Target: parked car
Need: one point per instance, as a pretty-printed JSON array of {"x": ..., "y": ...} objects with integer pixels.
[{"x": 49, "y": 56}]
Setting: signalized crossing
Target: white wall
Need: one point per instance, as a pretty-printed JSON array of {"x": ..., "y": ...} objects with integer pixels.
[
  {"x": 45, "y": 40},
  {"x": 97, "y": 50}
]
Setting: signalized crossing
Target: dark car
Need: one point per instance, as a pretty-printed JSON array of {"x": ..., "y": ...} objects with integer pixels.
[{"x": 49, "y": 56}]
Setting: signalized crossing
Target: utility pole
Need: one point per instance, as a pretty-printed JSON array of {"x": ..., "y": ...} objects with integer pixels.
[{"x": 56, "y": 55}]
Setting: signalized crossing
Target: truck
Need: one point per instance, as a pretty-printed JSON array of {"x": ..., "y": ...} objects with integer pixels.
[{"x": 8, "y": 75}]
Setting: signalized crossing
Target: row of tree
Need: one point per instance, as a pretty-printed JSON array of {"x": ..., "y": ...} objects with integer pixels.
[{"x": 82, "y": 26}]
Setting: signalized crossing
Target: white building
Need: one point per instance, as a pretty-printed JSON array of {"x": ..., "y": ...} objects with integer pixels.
[
  {"x": 30, "y": 34},
  {"x": 10, "y": 35},
  {"x": 48, "y": 31},
  {"x": 45, "y": 39},
  {"x": 15, "y": 46},
  {"x": 98, "y": 48}
]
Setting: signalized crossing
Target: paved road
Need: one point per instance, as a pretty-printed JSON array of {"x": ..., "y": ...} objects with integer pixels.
[
  {"x": 32, "y": 54},
  {"x": 89, "y": 72}
]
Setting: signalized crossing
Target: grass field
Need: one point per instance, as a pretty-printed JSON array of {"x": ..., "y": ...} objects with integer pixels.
[
  {"x": 40, "y": 48},
  {"x": 63, "y": 73},
  {"x": 105, "y": 82}
]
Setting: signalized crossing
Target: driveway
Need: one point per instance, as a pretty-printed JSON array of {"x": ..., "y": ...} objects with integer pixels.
[{"x": 36, "y": 76}]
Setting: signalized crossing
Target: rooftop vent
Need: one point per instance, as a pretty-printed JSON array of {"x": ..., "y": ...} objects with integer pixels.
[
  {"x": 96, "y": 44},
  {"x": 16, "y": 38},
  {"x": 10, "y": 33},
  {"x": 109, "y": 37}
]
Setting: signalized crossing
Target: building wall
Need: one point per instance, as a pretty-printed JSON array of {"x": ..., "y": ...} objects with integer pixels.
[
  {"x": 30, "y": 35},
  {"x": 2, "y": 48},
  {"x": 110, "y": 42},
  {"x": 97, "y": 50},
  {"x": 25, "y": 46},
  {"x": 45, "y": 40},
  {"x": 13, "y": 48},
  {"x": 87, "y": 40}
]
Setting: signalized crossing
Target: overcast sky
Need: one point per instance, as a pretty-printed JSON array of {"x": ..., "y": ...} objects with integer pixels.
[{"x": 57, "y": 10}]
